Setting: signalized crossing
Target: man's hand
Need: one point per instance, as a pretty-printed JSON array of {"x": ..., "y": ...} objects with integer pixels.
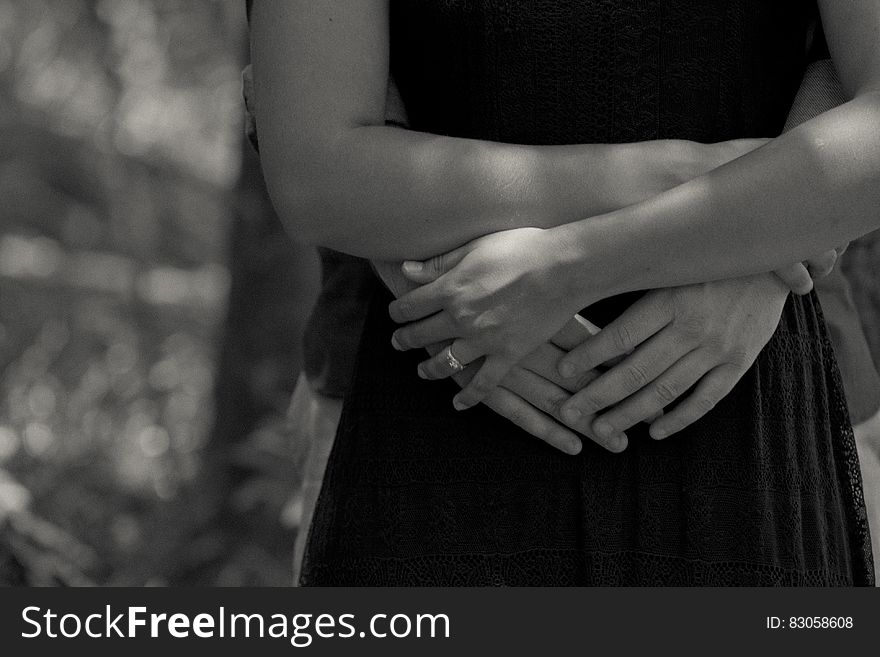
[
  {"x": 705, "y": 335},
  {"x": 800, "y": 276}
]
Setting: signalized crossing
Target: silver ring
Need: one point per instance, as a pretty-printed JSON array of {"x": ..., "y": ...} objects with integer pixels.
[{"x": 454, "y": 364}]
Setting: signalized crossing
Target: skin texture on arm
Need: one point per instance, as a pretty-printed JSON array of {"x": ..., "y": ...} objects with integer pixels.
[
  {"x": 812, "y": 188},
  {"x": 716, "y": 331},
  {"x": 522, "y": 182},
  {"x": 815, "y": 186},
  {"x": 676, "y": 339},
  {"x": 341, "y": 178}
]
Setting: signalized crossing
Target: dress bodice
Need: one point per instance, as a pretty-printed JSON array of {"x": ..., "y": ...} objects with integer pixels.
[
  {"x": 599, "y": 71},
  {"x": 764, "y": 490}
]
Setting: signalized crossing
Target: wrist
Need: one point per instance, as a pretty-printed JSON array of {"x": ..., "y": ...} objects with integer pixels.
[{"x": 587, "y": 263}]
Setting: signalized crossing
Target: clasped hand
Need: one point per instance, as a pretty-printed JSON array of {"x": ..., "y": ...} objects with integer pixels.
[{"x": 499, "y": 303}]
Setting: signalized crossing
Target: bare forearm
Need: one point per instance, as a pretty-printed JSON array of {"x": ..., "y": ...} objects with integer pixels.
[
  {"x": 389, "y": 193},
  {"x": 339, "y": 177},
  {"x": 812, "y": 188}
]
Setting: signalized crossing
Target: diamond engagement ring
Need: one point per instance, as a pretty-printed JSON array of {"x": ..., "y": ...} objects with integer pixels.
[{"x": 454, "y": 364}]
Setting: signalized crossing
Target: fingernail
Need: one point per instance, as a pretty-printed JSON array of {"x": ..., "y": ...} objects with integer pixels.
[
  {"x": 658, "y": 434},
  {"x": 459, "y": 405},
  {"x": 603, "y": 428},
  {"x": 567, "y": 370},
  {"x": 571, "y": 415},
  {"x": 619, "y": 442},
  {"x": 574, "y": 447},
  {"x": 421, "y": 372},
  {"x": 395, "y": 343},
  {"x": 413, "y": 267}
]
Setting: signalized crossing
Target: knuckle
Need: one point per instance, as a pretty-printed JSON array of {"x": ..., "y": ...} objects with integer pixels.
[
  {"x": 635, "y": 377},
  {"x": 447, "y": 291},
  {"x": 703, "y": 404},
  {"x": 518, "y": 417},
  {"x": 666, "y": 391},
  {"x": 619, "y": 419},
  {"x": 622, "y": 338},
  {"x": 584, "y": 379},
  {"x": 589, "y": 403},
  {"x": 693, "y": 327},
  {"x": 739, "y": 357},
  {"x": 461, "y": 315},
  {"x": 716, "y": 343},
  {"x": 555, "y": 404}
]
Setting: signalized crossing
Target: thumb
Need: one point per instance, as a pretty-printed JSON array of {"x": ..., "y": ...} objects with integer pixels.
[
  {"x": 431, "y": 269},
  {"x": 797, "y": 278}
]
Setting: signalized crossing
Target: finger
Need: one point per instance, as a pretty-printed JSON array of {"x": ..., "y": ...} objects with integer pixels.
[
  {"x": 544, "y": 362},
  {"x": 529, "y": 419},
  {"x": 539, "y": 392},
  {"x": 436, "y": 328},
  {"x": 639, "y": 369},
  {"x": 654, "y": 397},
  {"x": 438, "y": 366},
  {"x": 483, "y": 383},
  {"x": 638, "y": 323},
  {"x": 796, "y": 278},
  {"x": 433, "y": 268},
  {"x": 418, "y": 304},
  {"x": 821, "y": 266},
  {"x": 575, "y": 331},
  {"x": 711, "y": 389},
  {"x": 544, "y": 395}
]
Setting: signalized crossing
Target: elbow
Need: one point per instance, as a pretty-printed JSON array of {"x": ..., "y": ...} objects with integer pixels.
[
  {"x": 300, "y": 201},
  {"x": 302, "y": 217}
]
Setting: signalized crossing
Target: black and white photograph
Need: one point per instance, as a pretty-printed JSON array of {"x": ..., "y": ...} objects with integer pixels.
[{"x": 439, "y": 293}]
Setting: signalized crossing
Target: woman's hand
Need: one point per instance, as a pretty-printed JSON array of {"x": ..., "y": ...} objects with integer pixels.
[
  {"x": 704, "y": 335},
  {"x": 533, "y": 392},
  {"x": 498, "y": 297}
]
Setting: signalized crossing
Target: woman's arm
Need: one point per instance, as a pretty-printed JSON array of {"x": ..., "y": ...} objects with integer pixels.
[
  {"x": 340, "y": 178},
  {"x": 478, "y": 299},
  {"x": 812, "y": 188}
]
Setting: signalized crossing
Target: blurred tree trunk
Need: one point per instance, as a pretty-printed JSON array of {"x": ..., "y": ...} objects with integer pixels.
[{"x": 273, "y": 285}]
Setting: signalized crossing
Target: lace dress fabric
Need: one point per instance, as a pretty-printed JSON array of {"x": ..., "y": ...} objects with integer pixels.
[{"x": 764, "y": 490}]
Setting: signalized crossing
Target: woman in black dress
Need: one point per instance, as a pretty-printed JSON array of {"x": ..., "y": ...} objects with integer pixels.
[{"x": 763, "y": 489}]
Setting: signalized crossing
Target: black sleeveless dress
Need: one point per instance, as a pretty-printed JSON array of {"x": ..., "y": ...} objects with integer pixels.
[{"x": 765, "y": 490}]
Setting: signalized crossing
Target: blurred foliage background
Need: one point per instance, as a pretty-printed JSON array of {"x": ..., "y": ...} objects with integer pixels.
[
  {"x": 129, "y": 208},
  {"x": 150, "y": 304}
]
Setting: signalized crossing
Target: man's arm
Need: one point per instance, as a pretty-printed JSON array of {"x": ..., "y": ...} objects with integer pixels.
[{"x": 815, "y": 186}]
